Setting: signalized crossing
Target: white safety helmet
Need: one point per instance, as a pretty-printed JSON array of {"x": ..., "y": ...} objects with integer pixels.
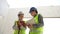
[{"x": 20, "y": 13}]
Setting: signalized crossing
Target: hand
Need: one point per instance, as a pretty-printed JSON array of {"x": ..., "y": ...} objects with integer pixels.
[
  {"x": 30, "y": 26},
  {"x": 19, "y": 24}
]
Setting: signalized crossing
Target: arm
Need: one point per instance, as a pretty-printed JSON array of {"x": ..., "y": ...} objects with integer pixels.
[
  {"x": 14, "y": 26},
  {"x": 40, "y": 20}
]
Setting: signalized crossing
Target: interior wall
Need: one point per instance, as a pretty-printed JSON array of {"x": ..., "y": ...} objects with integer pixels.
[
  {"x": 1, "y": 26},
  {"x": 45, "y": 11},
  {"x": 3, "y": 7}
]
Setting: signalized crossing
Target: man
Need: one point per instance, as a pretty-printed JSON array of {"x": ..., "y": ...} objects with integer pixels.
[
  {"x": 19, "y": 25},
  {"x": 36, "y": 28}
]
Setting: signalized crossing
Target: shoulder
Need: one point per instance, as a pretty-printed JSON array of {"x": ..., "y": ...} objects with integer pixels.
[
  {"x": 39, "y": 15},
  {"x": 16, "y": 21}
]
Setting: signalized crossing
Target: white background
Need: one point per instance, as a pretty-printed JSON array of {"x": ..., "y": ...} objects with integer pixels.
[{"x": 30, "y": 3}]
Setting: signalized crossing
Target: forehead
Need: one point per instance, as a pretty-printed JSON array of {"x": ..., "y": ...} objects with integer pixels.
[
  {"x": 33, "y": 12},
  {"x": 21, "y": 15}
]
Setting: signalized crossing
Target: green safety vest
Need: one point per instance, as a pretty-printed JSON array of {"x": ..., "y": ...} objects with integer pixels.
[
  {"x": 37, "y": 22},
  {"x": 22, "y": 31},
  {"x": 38, "y": 30}
]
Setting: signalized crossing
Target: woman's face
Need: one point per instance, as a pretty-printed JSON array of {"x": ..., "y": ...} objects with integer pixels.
[{"x": 21, "y": 16}]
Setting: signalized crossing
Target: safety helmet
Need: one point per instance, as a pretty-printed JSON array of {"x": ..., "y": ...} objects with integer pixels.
[
  {"x": 33, "y": 9},
  {"x": 20, "y": 13}
]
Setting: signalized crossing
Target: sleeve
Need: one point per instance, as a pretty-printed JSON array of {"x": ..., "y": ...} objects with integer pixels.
[
  {"x": 14, "y": 26},
  {"x": 40, "y": 20}
]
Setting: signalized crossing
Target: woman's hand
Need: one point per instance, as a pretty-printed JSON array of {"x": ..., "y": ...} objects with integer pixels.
[{"x": 19, "y": 24}]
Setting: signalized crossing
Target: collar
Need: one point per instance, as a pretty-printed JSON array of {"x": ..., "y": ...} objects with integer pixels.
[{"x": 35, "y": 15}]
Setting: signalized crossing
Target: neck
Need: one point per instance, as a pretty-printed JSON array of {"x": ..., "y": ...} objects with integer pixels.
[
  {"x": 20, "y": 20},
  {"x": 35, "y": 15}
]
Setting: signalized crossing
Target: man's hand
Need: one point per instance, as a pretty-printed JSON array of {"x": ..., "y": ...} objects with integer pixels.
[{"x": 30, "y": 26}]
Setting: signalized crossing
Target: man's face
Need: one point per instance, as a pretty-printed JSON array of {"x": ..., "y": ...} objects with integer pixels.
[
  {"x": 21, "y": 16},
  {"x": 33, "y": 13}
]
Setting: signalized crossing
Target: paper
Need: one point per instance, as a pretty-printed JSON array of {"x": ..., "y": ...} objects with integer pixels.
[{"x": 31, "y": 21}]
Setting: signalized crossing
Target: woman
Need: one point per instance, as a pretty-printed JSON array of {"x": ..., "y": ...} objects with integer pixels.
[{"x": 19, "y": 25}]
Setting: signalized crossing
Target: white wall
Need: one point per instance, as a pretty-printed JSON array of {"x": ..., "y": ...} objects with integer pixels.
[
  {"x": 52, "y": 26},
  {"x": 1, "y": 24},
  {"x": 46, "y": 11},
  {"x": 30, "y": 3},
  {"x": 3, "y": 7}
]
